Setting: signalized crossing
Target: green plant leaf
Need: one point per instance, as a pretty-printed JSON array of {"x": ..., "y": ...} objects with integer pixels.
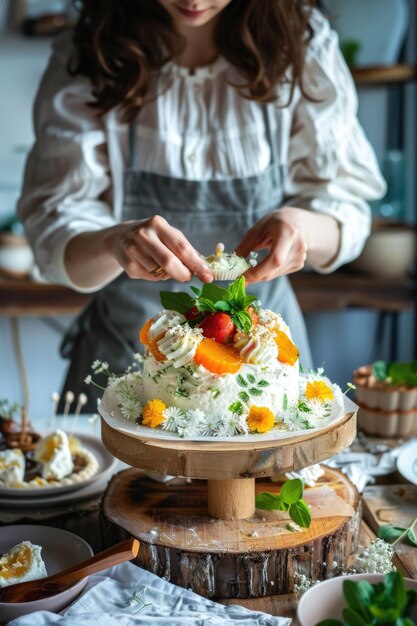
[
  {"x": 176, "y": 301},
  {"x": 404, "y": 621},
  {"x": 379, "y": 370},
  {"x": 242, "y": 320},
  {"x": 384, "y": 614},
  {"x": 251, "y": 378},
  {"x": 263, "y": 383},
  {"x": 236, "y": 407},
  {"x": 300, "y": 513},
  {"x": 411, "y": 536},
  {"x": 292, "y": 490},
  {"x": 222, "y": 305},
  {"x": 390, "y": 533},
  {"x": 268, "y": 501},
  {"x": 243, "y": 396},
  {"x": 358, "y": 594},
  {"x": 395, "y": 589},
  {"x": 330, "y": 622},
  {"x": 241, "y": 381},
  {"x": 237, "y": 289},
  {"x": 254, "y": 391},
  {"x": 353, "y": 618}
]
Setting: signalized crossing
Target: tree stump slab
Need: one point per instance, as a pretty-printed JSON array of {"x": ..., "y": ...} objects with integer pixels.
[{"x": 244, "y": 558}]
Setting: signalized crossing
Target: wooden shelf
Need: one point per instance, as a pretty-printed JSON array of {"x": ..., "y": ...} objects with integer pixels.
[
  {"x": 384, "y": 75},
  {"x": 315, "y": 292}
]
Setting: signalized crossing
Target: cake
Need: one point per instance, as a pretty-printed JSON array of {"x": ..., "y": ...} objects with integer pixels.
[
  {"x": 22, "y": 563},
  {"x": 217, "y": 364}
]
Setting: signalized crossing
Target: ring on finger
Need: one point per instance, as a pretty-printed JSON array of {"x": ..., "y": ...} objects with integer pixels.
[{"x": 158, "y": 271}]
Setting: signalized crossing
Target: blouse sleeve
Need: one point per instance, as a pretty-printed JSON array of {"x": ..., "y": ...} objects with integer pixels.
[
  {"x": 66, "y": 187},
  {"x": 332, "y": 167}
]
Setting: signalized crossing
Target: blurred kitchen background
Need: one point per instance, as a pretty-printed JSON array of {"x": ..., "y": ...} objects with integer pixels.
[{"x": 363, "y": 312}]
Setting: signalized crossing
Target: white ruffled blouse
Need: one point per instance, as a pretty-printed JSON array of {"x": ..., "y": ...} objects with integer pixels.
[{"x": 198, "y": 128}]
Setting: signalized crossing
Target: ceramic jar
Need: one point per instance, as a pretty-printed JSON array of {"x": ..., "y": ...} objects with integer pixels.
[{"x": 385, "y": 410}]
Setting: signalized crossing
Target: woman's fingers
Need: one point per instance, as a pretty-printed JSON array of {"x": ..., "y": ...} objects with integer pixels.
[{"x": 154, "y": 244}]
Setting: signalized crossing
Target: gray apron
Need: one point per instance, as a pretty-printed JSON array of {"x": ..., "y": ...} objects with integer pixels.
[{"x": 207, "y": 212}]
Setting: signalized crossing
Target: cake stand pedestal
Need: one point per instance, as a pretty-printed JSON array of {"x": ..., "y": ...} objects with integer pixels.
[{"x": 205, "y": 534}]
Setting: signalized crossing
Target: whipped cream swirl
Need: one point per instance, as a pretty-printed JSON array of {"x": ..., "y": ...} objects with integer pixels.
[
  {"x": 180, "y": 343},
  {"x": 257, "y": 347},
  {"x": 271, "y": 320},
  {"x": 163, "y": 322}
]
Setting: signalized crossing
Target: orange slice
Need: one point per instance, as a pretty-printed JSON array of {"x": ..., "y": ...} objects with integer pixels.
[
  {"x": 144, "y": 332},
  {"x": 287, "y": 350},
  {"x": 218, "y": 357},
  {"x": 153, "y": 343}
]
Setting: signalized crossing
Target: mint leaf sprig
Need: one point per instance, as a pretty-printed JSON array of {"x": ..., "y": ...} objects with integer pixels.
[
  {"x": 211, "y": 298},
  {"x": 388, "y": 603},
  {"x": 290, "y": 498},
  {"x": 396, "y": 372},
  {"x": 395, "y": 534}
]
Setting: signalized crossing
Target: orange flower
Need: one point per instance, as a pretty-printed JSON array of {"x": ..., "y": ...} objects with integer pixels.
[
  {"x": 318, "y": 390},
  {"x": 260, "y": 419},
  {"x": 153, "y": 413}
]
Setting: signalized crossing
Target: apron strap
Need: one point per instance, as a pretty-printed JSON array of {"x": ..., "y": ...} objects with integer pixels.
[{"x": 133, "y": 163}]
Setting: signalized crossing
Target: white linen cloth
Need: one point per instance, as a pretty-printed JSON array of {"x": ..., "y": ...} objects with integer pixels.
[
  {"x": 127, "y": 595},
  {"x": 198, "y": 128}
]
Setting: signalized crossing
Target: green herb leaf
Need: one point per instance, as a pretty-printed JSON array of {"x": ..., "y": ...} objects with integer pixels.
[
  {"x": 242, "y": 321},
  {"x": 254, "y": 391},
  {"x": 330, "y": 622},
  {"x": 241, "y": 381},
  {"x": 222, "y": 305},
  {"x": 358, "y": 595},
  {"x": 411, "y": 536},
  {"x": 236, "y": 407},
  {"x": 379, "y": 370},
  {"x": 268, "y": 501},
  {"x": 395, "y": 589},
  {"x": 263, "y": 383},
  {"x": 213, "y": 292},
  {"x": 173, "y": 301},
  {"x": 353, "y": 618},
  {"x": 243, "y": 396},
  {"x": 300, "y": 513},
  {"x": 292, "y": 490},
  {"x": 390, "y": 533}
]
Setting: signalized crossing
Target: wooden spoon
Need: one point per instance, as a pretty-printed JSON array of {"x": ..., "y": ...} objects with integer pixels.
[{"x": 44, "y": 587}]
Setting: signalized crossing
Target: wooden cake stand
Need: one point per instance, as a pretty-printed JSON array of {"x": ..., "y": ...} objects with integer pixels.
[{"x": 207, "y": 535}]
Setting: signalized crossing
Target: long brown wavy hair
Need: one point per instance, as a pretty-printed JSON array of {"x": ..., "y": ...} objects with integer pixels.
[{"x": 121, "y": 44}]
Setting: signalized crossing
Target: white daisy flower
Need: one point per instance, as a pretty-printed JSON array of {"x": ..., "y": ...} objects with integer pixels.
[
  {"x": 174, "y": 418},
  {"x": 131, "y": 408},
  {"x": 209, "y": 426},
  {"x": 233, "y": 424},
  {"x": 193, "y": 418},
  {"x": 317, "y": 409},
  {"x": 296, "y": 420}
]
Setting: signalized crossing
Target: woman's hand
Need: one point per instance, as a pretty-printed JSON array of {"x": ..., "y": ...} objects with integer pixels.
[
  {"x": 292, "y": 236},
  {"x": 141, "y": 247},
  {"x": 94, "y": 258}
]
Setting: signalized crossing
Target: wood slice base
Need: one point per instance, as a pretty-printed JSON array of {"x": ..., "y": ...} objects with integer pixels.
[{"x": 216, "y": 558}]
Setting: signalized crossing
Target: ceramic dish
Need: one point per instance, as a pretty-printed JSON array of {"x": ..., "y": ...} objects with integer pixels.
[
  {"x": 105, "y": 460},
  {"x": 60, "y": 550},
  {"x": 325, "y": 600},
  {"x": 407, "y": 461}
]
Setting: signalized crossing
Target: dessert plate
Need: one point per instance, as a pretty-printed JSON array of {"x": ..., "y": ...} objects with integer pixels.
[
  {"x": 60, "y": 550},
  {"x": 106, "y": 463},
  {"x": 407, "y": 461}
]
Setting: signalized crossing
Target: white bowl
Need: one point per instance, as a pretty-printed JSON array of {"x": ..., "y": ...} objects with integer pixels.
[
  {"x": 390, "y": 250},
  {"x": 325, "y": 599},
  {"x": 60, "y": 550}
]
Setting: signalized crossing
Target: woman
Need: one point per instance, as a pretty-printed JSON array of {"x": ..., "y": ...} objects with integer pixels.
[{"x": 166, "y": 126}]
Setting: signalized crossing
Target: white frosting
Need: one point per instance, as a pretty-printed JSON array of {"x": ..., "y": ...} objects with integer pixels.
[
  {"x": 12, "y": 466},
  {"x": 271, "y": 320},
  {"x": 194, "y": 387},
  {"x": 22, "y": 563},
  {"x": 55, "y": 455},
  {"x": 163, "y": 322},
  {"x": 179, "y": 344},
  {"x": 258, "y": 346}
]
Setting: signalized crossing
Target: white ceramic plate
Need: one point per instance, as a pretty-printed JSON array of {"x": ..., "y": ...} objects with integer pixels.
[
  {"x": 106, "y": 462},
  {"x": 60, "y": 550},
  {"x": 407, "y": 461},
  {"x": 110, "y": 412}
]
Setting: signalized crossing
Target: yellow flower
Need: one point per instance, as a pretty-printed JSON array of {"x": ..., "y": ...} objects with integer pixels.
[
  {"x": 318, "y": 390},
  {"x": 260, "y": 419},
  {"x": 153, "y": 413}
]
